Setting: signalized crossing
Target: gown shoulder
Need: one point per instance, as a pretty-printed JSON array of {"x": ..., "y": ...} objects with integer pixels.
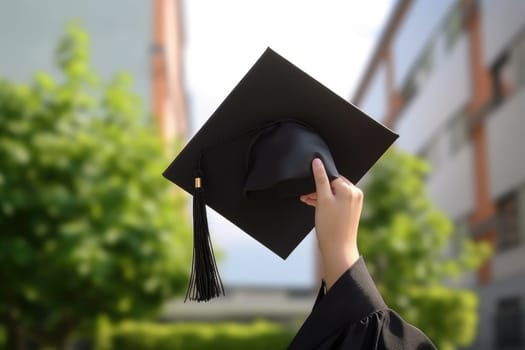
[{"x": 353, "y": 315}]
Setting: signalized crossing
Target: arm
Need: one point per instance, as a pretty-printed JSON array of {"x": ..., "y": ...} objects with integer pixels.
[
  {"x": 352, "y": 313},
  {"x": 338, "y": 208}
]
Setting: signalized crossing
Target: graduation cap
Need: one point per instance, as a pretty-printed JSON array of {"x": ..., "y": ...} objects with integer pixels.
[{"x": 251, "y": 160}]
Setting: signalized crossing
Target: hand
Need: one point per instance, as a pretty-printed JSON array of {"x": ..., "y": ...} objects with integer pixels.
[{"x": 337, "y": 211}]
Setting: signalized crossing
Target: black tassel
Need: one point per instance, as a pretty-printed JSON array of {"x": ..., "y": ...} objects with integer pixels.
[{"x": 205, "y": 281}]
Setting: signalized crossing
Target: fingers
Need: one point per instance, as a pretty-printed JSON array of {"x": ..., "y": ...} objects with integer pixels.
[
  {"x": 339, "y": 186},
  {"x": 309, "y": 201},
  {"x": 310, "y": 195},
  {"x": 346, "y": 180},
  {"x": 322, "y": 184},
  {"x": 313, "y": 195},
  {"x": 344, "y": 187}
]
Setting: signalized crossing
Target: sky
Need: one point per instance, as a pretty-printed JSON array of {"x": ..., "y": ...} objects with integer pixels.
[{"x": 331, "y": 40}]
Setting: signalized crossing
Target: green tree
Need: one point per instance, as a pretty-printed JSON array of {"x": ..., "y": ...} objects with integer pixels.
[
  {"x": 88, "y": 226},
  {"x": 408, "y": 245}
]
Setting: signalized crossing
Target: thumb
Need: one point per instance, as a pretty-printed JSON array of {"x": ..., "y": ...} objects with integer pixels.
[{"x": 322, "y": 184}]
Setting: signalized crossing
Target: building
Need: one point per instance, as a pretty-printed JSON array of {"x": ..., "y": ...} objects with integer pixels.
[
  {"x": 286, "y": 306},
  {"x": 449, "y": 76},
  {"x": 143, "y": 38},
  {"x": 167, "y": 78}
]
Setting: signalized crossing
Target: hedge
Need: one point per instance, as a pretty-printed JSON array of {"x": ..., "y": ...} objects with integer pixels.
[
  {"x": 259, "y": 335},
  {"x": 2, "y": 338}
]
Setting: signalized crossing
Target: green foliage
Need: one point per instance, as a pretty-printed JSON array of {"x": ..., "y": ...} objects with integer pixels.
[
  {"x": 87, "y": 224},
  {"x": 406, "y": 242},
  {"x": 2, "y": 338},
  {"x": 447, "y": 310},
  {"x": 259, "y": 335}
]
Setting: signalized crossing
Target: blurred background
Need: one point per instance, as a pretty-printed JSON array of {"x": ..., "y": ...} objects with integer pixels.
[{"x": 96, "y": 98}]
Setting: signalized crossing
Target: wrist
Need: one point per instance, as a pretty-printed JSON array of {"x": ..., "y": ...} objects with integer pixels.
[{"x": 338, "y": 262}]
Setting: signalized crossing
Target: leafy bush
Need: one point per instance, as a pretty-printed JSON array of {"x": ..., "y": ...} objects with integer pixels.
[
  {"x": 406, "y": 241},
  {"x": 2, "y": 338},
  {"x": 88, "y": 225},
  {"x": 259, "y": 335}
]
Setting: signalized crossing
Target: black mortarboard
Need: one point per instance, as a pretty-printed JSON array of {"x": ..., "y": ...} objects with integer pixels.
[{"x": 251, "y": 160}]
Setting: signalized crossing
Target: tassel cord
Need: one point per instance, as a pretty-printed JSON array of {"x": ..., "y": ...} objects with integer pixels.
[{"x": 205, "y": 281}]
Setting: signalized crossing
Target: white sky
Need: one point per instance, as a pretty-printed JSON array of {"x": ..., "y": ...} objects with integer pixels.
[{"x": 331, "y": 40}]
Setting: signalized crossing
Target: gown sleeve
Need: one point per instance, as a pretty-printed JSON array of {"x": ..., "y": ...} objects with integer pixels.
[{"x": 353, "y": 315}]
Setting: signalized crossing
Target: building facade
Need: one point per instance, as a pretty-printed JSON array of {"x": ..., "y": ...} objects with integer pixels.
[
  {"x": 167, "y": 78},
  {"x": 449, "y": 76},
  {"x": 141, "y": 37},
  {"x": 286, "y": 306}
]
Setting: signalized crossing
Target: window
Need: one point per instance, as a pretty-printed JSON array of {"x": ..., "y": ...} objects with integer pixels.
[
  {"x": 424, "y": 66},
  {"x": 502, "y": 79},
  {"x": 447, "y": 35},
  {"x": 508, "y": 72},
  {"x": 419, "y": 74},
  {"x": 409, "y": 89},
  {"x": 432, "y": 152},
  {"x": 458, "y": 131},
  {"x": 518, "y": 58},
  {"x": 508, "y": 323},
  {"x": 453, "y": 27},
  {"x": 509, "y": 235},
  {"x": 500, "y": 86},
  {"x": 461, "y": 233},
  {"x": 447, "y": 141}
]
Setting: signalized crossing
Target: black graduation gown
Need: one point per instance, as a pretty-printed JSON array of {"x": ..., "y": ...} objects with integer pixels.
[{"x": 353, "y": 315}]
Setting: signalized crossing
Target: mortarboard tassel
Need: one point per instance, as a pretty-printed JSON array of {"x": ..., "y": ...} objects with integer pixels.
[{"x": 205, "y": 281}]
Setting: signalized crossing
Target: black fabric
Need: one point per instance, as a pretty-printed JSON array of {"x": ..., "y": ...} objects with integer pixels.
[
  {"x": 274, "y": 90},
  {"x": 353, "y": 315},
  {"x": 279, "y": 162}
]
